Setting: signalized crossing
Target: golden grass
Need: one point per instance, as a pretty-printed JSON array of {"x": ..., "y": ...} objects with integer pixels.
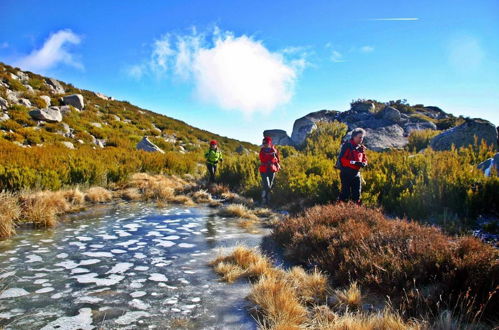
[
  {"x": 296, "y": 299},
  {"x": 74, "y": 196},
  {"x": 130, "y": 194},
  {"x": 182, "y": 199},
  {"x": 158, "y": 187},
  {"x": 98, "y": 195},
  {"x": 350, "y": 297},
  {"x": 234, "y": 198},
  {"x": 38, "y": 210},
  {"x": 202, "y": 196},
  {"x": 237, "y": 211},
  {"x": 10, "y": 211}
]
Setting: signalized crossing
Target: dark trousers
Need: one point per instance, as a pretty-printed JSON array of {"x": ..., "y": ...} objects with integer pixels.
[
  {"x": 212, "y": 170},
  {"x": 350, "y": 185}
]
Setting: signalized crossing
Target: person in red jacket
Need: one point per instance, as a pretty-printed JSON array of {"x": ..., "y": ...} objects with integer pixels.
[
  {"x": 269, "y": 166},
  {"x": 351, "y": 159}
]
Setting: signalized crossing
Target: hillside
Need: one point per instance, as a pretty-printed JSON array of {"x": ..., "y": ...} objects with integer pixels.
[{"x": 103, "y": 122}]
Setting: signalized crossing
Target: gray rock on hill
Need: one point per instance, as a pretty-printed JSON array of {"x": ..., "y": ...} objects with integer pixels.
[
  {"x": 464, "y": 135},
  {"x": 52, "y": 114},
  {"x": 76, "y": 100},
  {"x": 55, "y": 85},
  {"x": 306, "y": 124},
  {"x": 279, "y": 137},
  {"x": 147, "y": 145},
  {"x": 488, "y": 165}
]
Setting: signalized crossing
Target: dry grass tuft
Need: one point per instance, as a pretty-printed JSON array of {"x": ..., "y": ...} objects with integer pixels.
[
  {"x": 350, "y": 297},
  {"x": 218, "y": 189},
  {"x": 130, "y": 194},
  {"x": 38, "y": 210},
  {"x": 182, "y": 199},
  {"x": 98, "y": 195},
  {"x": 263, "y": 212},
  {"x": 237, "y": 211},
  {"x": 202, "y": 196},
  {"x": 157, "y": 187},
  {"x": 74, "y": 196},
  {"x": 10, "y": 211},
  {"x": 312, "y": 287},
  {"x": 234, "y": 198}
]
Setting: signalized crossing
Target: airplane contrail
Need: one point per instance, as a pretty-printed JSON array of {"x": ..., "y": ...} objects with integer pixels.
[{"x": 395, "y": 19}]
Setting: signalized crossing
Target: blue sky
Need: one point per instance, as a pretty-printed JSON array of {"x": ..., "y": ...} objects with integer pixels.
[{"x": 239, "y": 67}]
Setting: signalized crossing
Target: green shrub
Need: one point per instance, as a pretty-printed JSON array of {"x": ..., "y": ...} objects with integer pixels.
[{"x": 420, "y": 139}]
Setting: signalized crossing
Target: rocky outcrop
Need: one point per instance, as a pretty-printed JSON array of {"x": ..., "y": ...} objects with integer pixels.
[
  {"x": 75, "y": 100},
  {"x": 389, "y": 128},
  {"x": 279, "y": 137},
  {"x": 465, "y": 134},
  {"x": 52, "y": 114},
  {"x": 55, "y": 86},
  {"x": 104, "y": 97},
  {"x": 490, "y": 165},
  {"x": 3, "y": 104},
  {"x": 147, "y": 145},
  {"x": 68, "y": 144}
]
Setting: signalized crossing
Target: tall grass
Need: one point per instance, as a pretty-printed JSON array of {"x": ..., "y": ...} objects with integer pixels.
[{"x": 10, "y": 211}]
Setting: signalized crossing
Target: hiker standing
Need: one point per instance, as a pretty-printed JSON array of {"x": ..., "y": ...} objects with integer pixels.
[
  {"x": 213, "y": 156},
  {"x": 269, "y": 166},
  {"x": 351, "y": 159}
]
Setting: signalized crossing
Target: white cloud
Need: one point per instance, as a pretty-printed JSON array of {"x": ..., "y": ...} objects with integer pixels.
[
  {"x": 232, "y": 72},
  {"x": 53, "y": 52},
  {"x": 337, "y": 57},
  {"x": 465, "y": 53},
  {"x": 367, "y": 49}
]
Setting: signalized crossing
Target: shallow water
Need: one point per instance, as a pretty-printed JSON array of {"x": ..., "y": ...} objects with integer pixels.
[{"x": 123, "y": 266}]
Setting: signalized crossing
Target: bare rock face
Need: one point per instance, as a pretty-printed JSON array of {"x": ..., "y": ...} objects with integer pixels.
[
  {"x": 304, "y": 125},
  {"x": 75, "y": 100},
  {"x": 147, "y": 145},
  {"x": 52, "y": 114},
  {"x": 46, "y": 99},
  {"x": 464, "y": 135},
  {"x": 3, "y": 104},
  {"x": 55, "y": 85},
  {"x": 279, "y": 137},
  {"x": 490, "y": 165},
  {"x": 390, "y": 114},
  {"x": 363, "y": 107}
]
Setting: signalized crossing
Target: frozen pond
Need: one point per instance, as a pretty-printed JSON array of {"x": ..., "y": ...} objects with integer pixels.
[{"x": 123, "y": 266}]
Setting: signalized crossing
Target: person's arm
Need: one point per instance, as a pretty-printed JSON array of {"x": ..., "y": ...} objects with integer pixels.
[{"x": 345, "y": 155}]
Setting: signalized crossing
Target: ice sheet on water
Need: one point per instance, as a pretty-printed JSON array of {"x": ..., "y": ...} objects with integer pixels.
[
  {"x": 157, "y": 277},
  {"x": 127, "y": 243},
  {"x": 92, "y": 278},
  {"x": 33, "y": 258},
  {"x": 13, "y": 293},
  {"x": 45, "y": 290},
  {"x": 120, "y": 268},
  {"x": 118, "y": 251},
  {"x": 139, "y": 304},
  {"x": 186, "y": 245},
  {"x": 101, "y": 254},
  {"x": 62, "y": 255},
  {"x": 130, "y": 317},
  {"x": 82, "y": 321}
]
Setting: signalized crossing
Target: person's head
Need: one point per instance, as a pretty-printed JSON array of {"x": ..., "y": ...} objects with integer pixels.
[
  {"x": 358, "y": 135},
  {"x": 267, "y": 141},
  {"x": 213, "y": 144}
]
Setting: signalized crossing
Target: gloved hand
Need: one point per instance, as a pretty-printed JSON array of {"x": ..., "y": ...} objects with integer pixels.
[{"x": 361, "y": 164}]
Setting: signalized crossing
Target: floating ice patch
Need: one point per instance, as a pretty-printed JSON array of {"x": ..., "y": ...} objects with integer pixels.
[
  {"x": 62, "y": 255},
  {"x": 141, "y": 268},
  {"x": 130, "y": 317},
  {"x": 127, "y": 243},
  {"x": 157, "y": 277},
  {"x": 91, "y": 278},
  {"x": 7, "y": 274},
  {"x": 196, "y": 300},
  {"x": 83, "y": 238},
  {"x": 87, "y": 262},
  {"x": 132, "y": 226},
  {"x": 80, "y": 245},
  {"x": 186, "y": 245},
  {"x": 189, "y": 272},
  {"x": 97, "y": 246},
  {"x": 13, "y": 293},
  {"x": 68, "y": 264},
  {"x": 101, "y": 254},
  {"x": 183, "y": 280},
  {"x": 33, "y": 258},
  {"x": 88, "y": 300},
  {"x": 122, "y": 233},
  {"x": 107, "y": 237},
  {"x": 166, "y": 244},
  {"x": 138, "y": 294},
  {"x": 154, "y": 233},
  {"x": 171, "y": 301},
  {"x": 120, "y": 268},
  {"x": 118, "y": 251},
  {"x": 45, "y": 290},
  {"x": 82, "y": 321},
  {"x": 79, "y": 270},
  {"x": 40, "y": 281},
  {"x": 172, "y": 237},
  {"x": 139, "y": 255},
  {"x": 139, "y": 304}
]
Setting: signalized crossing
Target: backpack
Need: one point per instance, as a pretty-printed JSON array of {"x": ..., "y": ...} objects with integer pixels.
[{"x": 343, "y": 148}]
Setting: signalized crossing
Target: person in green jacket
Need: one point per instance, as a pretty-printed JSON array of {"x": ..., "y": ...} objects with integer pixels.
[{"x": 213, "y": 156}]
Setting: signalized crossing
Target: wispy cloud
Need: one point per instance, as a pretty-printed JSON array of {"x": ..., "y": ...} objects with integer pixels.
[
  {"x": 232, "y": 72},
  {"x": 395, "y": 19},
  {"x": 54, "y": 51},
  {"x": 367, "y": 49},
  {"x": 337, "y": 57},
  {"x": 465, "y": 53}
]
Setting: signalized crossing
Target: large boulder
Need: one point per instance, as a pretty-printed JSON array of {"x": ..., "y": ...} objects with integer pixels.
[
  {"x": 303, "y": 126},
  {"x": 55, "y": 85},
  {"x": 46, "y": 99},
  {"x": 363, "y": 107},
  {"x": 465, "y": 134},
  {"x": 390, "y": 114},
  {"x": 409, "y": 127},
  {"x": 3, "y": 104},
  {"x": 489, "y": 165},
  {"x": 279, "y": 137},
  {"x": 386, "y": 137},
  {"x": 76, "y": 100},
  {"x": 52, "y": 114},
  {"x": 147, "y": 145}
]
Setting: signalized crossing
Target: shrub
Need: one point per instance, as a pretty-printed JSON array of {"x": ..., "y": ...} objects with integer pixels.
[{"x": 420, "y": 139}]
